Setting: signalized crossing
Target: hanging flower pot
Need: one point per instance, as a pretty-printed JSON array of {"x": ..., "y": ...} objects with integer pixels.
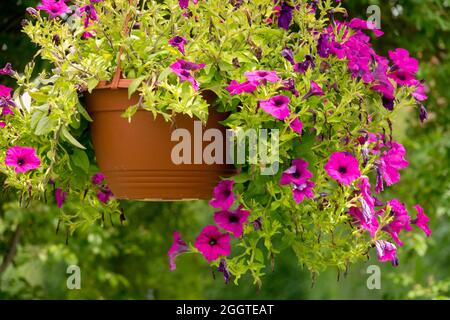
[{"x": 137, "y": 156}]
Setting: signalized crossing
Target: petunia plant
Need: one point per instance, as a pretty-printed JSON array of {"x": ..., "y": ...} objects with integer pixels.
[{"x": 297, "y": 67}]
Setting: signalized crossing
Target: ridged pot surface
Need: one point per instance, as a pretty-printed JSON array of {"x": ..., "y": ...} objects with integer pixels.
[{"x": 136, "y": 156}]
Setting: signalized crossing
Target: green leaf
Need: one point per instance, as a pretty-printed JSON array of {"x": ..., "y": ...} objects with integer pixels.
[
  {"x": 66, "y": 134},
  {"x": 135, "y": 85},
  {"x": 92, "y": 83},
  {"x": 84, "y": 113},
  {"x": 44, "y": 126},
  {"x": 81, "y": 160},
  {"x": 129, "y": 112},
  {"x": 163, "y": 75}
]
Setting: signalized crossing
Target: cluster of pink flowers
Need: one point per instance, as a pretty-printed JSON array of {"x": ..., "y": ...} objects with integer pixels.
[{"x": 104, "y": 193}]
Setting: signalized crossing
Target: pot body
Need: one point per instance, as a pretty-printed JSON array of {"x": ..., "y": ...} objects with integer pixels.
[{"x": 137, "y": 157}]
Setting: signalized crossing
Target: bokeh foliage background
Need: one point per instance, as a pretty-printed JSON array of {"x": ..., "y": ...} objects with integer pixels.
[{"x": 130, "y": 262}]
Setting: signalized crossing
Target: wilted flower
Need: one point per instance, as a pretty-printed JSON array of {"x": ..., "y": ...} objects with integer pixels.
[
  {"x": 178, "y": 247},
  {"x": 223, "y": 268}
]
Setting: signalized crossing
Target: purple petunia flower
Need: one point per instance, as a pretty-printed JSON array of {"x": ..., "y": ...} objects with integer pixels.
[
  {"x": 54, "y": 7},
  {"x": 343, "y": 167},
  {"x": 212, "y": 244},
  {"x": 178, "y": 247},
  {"x": 178, "y": 42},
  {"x": 223, "y": 268},
  {"x": 391, "y": 162},
  {"x": 307, "y": 63},
  {"x": 232, "y": 221},
  {"x": 289, "y": 85},
  {"x": 401, "y": 220},
  {"x": 288, "y": 55},
  {"x": 323, "y": 45},
  {"x": 297, "y": 173},
  {"x": 60, "y": 197},
  {"x": 422, "y": 220},
  {"x": 315, "y": 90},
  {"x": 223, "y": 195},
  {"x": 105, "y": 194},
  {"x": 7, "y": 70},
  {"x": 237, "y": 88},
  {"x": 386, "y": 251},
  {"x": 98, "y": 178},
  {"x": 262, "y": 76},
  {"x": 22, "y": 159},
  {"x": 277, "y": 106},
  {"x": 285, "y": 17}
]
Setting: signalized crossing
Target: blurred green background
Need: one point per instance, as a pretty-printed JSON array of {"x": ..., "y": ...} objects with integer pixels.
[{"x": 130, "y": 262}]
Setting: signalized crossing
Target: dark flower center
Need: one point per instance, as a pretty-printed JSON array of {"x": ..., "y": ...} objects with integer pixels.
[
  {"x": 226, "y": 193},
  {"x": 20, "y": 161},
  {"x": 232, "y": 218},
  {"x": 54, "y": 9},
  {"x": 212, "y": 242},
  {"x": 296, "y": 174},
  {"x": 178, "y": 40},
  {"x": 401, "y": 76},
  {"x": 263, "y": 74},
  {"x": 342, "y": 169},
  {"x": 279, "y": 102}
]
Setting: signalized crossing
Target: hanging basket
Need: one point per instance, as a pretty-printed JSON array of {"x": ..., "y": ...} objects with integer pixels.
[{"x": 136, "y": 156}]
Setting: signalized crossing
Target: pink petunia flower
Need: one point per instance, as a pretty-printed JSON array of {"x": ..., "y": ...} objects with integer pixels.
[
  {"x": 262, "y": 76},
  {"x": 296, "y": 125},
  {"x": 360, "y": 24},
  {"x": 297, "y": 173},
  {"x": 368, "y": 223},
  {"x": 184, "y": 68},
  {"x": 391, "y": 162},
  {"x": 386, "y": 251},
  {"x": 22, "y": 158},
  {"x": 54, "y": 7},
  {"x": 315, "y": 90},
  {"x": 60, "y": 197},
  {"x": 422, "y": 220},
  {"x": 223, "y": 195},
  {"x": 401, "y": 220},
  {"x": 303, "y": 190},
  {"x": 237, "y": 88},
  {"x": 178, "y": 42},
  {"x": 343, "y": 167},
  {"x": 178, "y": 247},
  {"x": 232, "y": 221},
  {"x": 277, "y": 106},
  {"x": 5, "y": 91},
  {"x": 364, "y": 215},
  {"x": 212, "y": 244}
]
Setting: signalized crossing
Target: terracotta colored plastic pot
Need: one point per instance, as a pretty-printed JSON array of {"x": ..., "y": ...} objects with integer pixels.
[{"x": 136, "y": 156}]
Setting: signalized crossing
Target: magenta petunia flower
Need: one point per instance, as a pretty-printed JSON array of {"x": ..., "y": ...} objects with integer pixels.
[
  {"x": 277, "y": 106},
  {"x": 54, "y": 7},
  {"x": 60, "y": 197},
  {"x": 184, "y": 68},
  {"x": 315, "y": 90},
  {"x": 22, "y": 158},
  {"x": 262, "y": 76},
  {"x": 232, "y": 221},
  {"x": 5, "y": 92},
  {"x": 401, "y": 220},
  {"x": 223, "y": 195},
  {"x": 178, "y": 247},
  {"x": 297, "y": 173},
  {"x": 178, "y": 42},
  {"x": 343, "y": 167},
  {"x": 237, "y": 88},
  {"x": 359, "y": 24},
  {"x": 401, "y": 59},
  {"x": 185, "y": 3},
  {"x": 422, "y": 220},
  {"x": 391, "y": 162},
  {"x": 105, "y": 194},
  {"x": 212, "y": 244},
  {"x": 386, "y": 251},
  {"x": 323, "y": 45},
  {"x": 296, "y": 125},
  {"x": 368, "y": 223},
  {"x": 302, "y": 190},
  {"x": 98, "y": 178},
  {"x": 419, "y": 94}
]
